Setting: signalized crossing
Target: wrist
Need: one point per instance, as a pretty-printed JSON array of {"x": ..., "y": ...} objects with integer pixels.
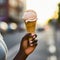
[
  {"x": 22, "y": 53},
  {"x": 20, "y": 56}
]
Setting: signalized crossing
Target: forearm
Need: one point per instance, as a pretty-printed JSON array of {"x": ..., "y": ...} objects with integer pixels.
[{"x": 20, "y": 56}]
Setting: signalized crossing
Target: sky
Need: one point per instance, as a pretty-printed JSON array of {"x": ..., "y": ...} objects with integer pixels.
[{"x": 44, "y": 8}]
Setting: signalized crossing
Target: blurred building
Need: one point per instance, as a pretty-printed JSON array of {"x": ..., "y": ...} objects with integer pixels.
[
  {"x": 3, "y": 9},
  {"x": 11, "y": 11},
  {"x": 11, "y": 8},
  {"x": 59, "y": 13}
]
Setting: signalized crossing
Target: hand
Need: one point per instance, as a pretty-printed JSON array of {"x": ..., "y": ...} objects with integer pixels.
[{"x": 28, "y": 43}]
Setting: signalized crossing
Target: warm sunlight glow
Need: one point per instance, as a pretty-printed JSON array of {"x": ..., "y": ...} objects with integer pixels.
[{"x": 45, "y": 8}]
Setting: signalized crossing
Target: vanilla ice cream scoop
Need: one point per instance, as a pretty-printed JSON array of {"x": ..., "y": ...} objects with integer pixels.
[{"x": 30, "y": 15}]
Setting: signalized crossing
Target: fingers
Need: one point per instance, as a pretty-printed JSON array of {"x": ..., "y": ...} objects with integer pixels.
[
  {"x": 32, "y": 37},
  {"x": 29, "y": 36},
  {"x": 33, "y": 43}
]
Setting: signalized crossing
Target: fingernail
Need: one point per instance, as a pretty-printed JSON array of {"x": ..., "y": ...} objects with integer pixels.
[
  {"x": 32, "y": 34},
  {"x": 31, "y": 41},
  {"x": 31, "y": 44}
]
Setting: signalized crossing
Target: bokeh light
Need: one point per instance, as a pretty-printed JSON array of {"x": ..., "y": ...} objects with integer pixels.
[
  {"x": 52, "y": 49},
  {"x": 52, "y": 57},
  {"x": 3, "y": 26},
  {"x": 13, "y": 26}
]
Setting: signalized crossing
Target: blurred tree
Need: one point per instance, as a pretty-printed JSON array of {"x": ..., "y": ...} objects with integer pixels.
[{"x": 58, "y": 20}]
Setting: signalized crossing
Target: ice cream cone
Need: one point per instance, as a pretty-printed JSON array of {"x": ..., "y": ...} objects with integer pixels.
[
  {"x": 30, "y": 18},
  {"x": 30, "y": 26}
]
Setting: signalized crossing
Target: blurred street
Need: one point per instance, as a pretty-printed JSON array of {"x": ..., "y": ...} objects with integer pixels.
[
  {"x": 13, "y": 29},
  {"x": 47, "y": 49}
]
